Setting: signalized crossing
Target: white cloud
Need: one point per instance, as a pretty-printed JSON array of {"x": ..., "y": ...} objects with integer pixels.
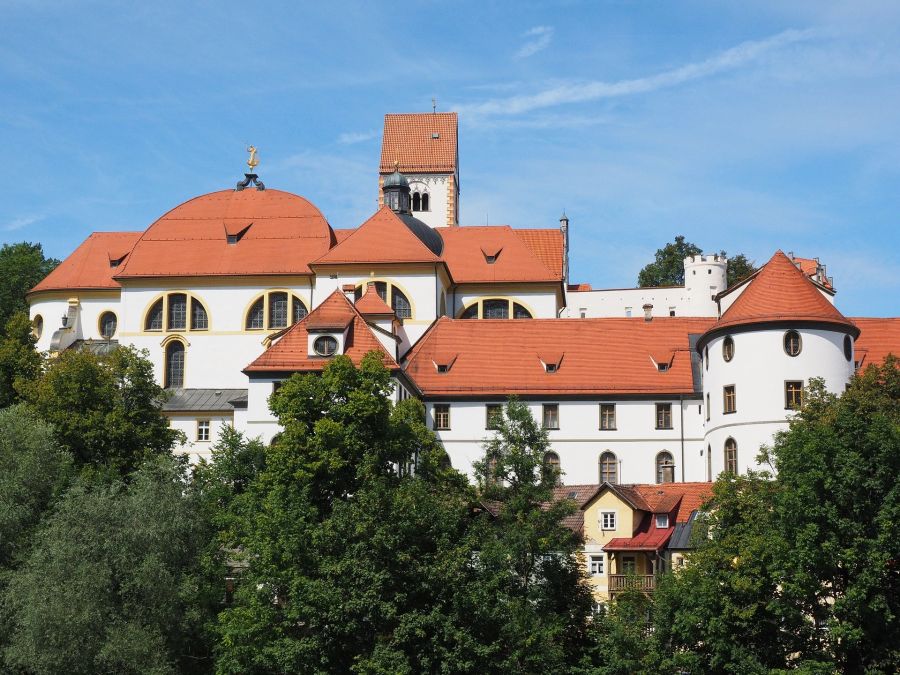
[
  {"x": 594, "y": 90},
  {"x": 351, "y": 137},
  {"x": 539, "y": 39},
  {"x": 19, "y": 223}
]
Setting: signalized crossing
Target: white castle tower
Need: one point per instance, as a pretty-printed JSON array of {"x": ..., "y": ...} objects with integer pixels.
[
  {"x": 705, "y": 276},
  {"x": 423, "y": 147}
]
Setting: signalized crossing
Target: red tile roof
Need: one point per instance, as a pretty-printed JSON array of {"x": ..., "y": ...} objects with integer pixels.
[
  {"x": 663, "y": 497},
  {"x": 383, "y": 238},
  {"x": 579, "y": 288},
  {"x": 409, "y": 139},
  {"x": 600, "y": 356},
  {"x": 290, "y": 353},
  {"x": 88, "y": 267},
  {"x": 284, "y": 232},
  {"x": 648, "y": 537},
  {"x": 810, "y": 267},
  {"x": 781, "y": 292},
  {"x": 580, "y": 494},
  {"x": 524, "y": 255},
  {"x": 879, "y": 337},
  {"x": 371, "y": 304}
]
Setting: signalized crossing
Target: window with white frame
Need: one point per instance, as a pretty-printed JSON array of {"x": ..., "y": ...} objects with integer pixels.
[
  {"x": 202, "y": 430},
  {"x": 662, "y": 520},
  {"x": 607, "y": 520},
  {"x": 596, "y": 565}
]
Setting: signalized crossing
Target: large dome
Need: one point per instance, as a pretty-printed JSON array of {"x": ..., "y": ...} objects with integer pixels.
[{"x": 232, "y": 232}]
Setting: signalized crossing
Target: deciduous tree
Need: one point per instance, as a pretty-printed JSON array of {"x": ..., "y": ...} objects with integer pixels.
[
  {"x": 667, "y": 268},
  {"x": 19, "y": 361},
  {"x": 22, "y": 266}
]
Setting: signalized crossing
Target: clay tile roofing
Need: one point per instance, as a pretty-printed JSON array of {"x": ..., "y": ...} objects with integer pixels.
[
  {"x": 665, "y": 497},
  {"x": 877, "y": 339},
  {"x": 90, "y": 266},
  {"x": 420, "y": 142},
  {"x": 781, "y": 292},
  {"x": 525, "y": 255},
  {"x": 580, "y": 494},
  {"x": 290, "y": 353},
  {"x": 371, "y": 304},
  {"x": 648, "y": 537},
  {"x": 607, "y": 356},
  {"x": 386, "y": 237},
  {"x": 810, "y": 267},
  {"x": 282, "y": 233}
]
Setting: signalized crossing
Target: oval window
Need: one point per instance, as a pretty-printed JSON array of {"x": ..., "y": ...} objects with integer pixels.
[
  {"x": 792, "y": 343},
  {"x": 325, "y": 345},
  {"x": 848, "y": 347},
  {"x": 37, "y": 324},
  {"x": 728, "y": 348},
  {"x": 108, "y": 325}
]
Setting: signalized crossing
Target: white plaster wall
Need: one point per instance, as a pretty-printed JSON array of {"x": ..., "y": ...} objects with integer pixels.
[
  {"x": 194, "y": 449},
  {"x": 580, "y": 442},
  {"x": 436, "y": 186},
  {"x": 51, "y": 310},
  {"x": 541, "y": 302},
  {"x": 759, "y": 370}
]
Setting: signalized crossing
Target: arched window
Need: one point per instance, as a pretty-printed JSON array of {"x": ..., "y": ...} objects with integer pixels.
[
  {"x": 665, "y": 468},
  {"x": 278, "y": 310},
  {"x": 400, "y": 304},
  {"x": 551, "y": 459},
  {"x": 174, "y": 376},
  {"x": 792, "y": 343},
  {"x": 108, "y": 325},
  {"x": 520, "y": 312},
  {"x": 37, "y": 325},
  {"x": 848, "y": 348},
  {"x": 495, "y": 309},
  {"x": 177, "y": 312},
  {"x": 471, "y": 312},
  {"x": 609, "y": 468},
  {"x": 256, "y": 316},
  {"x": 425, "y": 201},
  {"x": 298, "y": 309},
  {"x": 416, "y": 201},
  {"x": 199, "y": 319},
  {"x": 728, "y": 348},
  {"x": 155, "y": 316},
  {"x": 731, "y": 456}
]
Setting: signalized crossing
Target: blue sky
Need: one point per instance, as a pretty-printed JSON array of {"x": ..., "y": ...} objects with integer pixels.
[{"x": 744, "y": 126}]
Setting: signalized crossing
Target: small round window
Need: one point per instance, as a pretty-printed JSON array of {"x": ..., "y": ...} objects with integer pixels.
[
  {"x": 108, "y": 323},
  {"x": 37, "y": 325},
  {"x": 848, "y": 347},
  {"x": 728, "y": 348},
  {"x": 325, "y": 345},
  {"x": 792, "y": 343}
]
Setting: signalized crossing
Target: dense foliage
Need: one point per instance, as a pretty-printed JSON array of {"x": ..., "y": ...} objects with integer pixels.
[
  {"x": 22, "y": 266},
  {"x": 667, "y": 268},
  {"x": 19, "y": 361}
]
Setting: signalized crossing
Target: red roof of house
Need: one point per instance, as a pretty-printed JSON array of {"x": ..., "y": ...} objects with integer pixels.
[
  {"x": 371, "y": 303},
  {"x": 648, "y": 537},
  {"x": 409, "y": 138},
  {"x": 282, "y": 233},
  {"x": 90, "y": 265},
  {"x": 877, "y": 339},
  {"x": 810, "y": 267},
  {"x": 580, "y": 494},
  {"x": 781, "y": 292},
  {"x": 290, "y": 353},
  {"x": 383, "y": 238},
  {"x": 599, "y": 356},
  {"x": 521, "y": 255}
]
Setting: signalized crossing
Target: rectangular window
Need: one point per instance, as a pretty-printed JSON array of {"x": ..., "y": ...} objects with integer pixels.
[
  {"x": 707, "y": 407},
  {"x": 551, "y": 416},
  {"x": 607, "y": 520},
  {"x": 793, "y": 394},
  {"x": 442, "y": 416},
  {"x": 662, "y": 520},
  {"x": 202, "y": 430},
  {"x": 278, "y": 310},
  {"x": 729, "y": 400},
  {"x": 663, "y": 415},
  {"x": 177, "y": 311},
  {"x": 608, "y": 416},
  {"x": 629, "y": 565},
  {"x": 493, "y": 415},
  {"x": 595, "y": 565}
]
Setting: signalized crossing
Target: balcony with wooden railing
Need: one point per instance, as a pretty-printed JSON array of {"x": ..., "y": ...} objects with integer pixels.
[{"x": 646, "y": 583}]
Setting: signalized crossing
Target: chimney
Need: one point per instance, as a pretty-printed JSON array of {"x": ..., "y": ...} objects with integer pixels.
[
  {"x": 350, "y": 291},
  {"x": 564, "y": 227},
  {"x": 648, "y": 312}
]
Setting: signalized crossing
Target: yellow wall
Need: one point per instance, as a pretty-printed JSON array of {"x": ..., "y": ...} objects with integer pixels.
[{"x": 627, "y": 520}]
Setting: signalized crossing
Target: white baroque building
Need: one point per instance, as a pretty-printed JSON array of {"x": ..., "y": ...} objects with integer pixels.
[{"x": 232, "y": 292}]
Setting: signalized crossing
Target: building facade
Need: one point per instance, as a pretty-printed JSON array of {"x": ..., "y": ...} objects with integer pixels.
[{"x": 232, "y": 292}]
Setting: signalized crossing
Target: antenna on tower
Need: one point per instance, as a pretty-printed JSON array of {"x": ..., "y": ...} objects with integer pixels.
[{"x": 433, "y": 105}]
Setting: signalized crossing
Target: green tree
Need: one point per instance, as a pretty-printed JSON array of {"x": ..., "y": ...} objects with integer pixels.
[
  {"x": 19, "y": 361},
  {"x": 105, "y": 409},
  {"x": 22, "y": 266},
  {"x": 667, "y": 268},
  {"x": 534, "y": 593},
  {"x": 624, "y": 641},
  {"x": 836, "y": 513},
  {"x": 112, "y": 583}
]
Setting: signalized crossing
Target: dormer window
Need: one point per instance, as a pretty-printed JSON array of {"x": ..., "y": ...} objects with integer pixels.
[
  {"x": 443, "y": 368},
  {"x": 444, "y": 362},
  {"x": 490, "y": 259},
  {"x": 550, "y": 367},
  {"x": 662, "y": 367},
  {"x": 325, "y": 345},
  {"x": 662, "y": 521},
  {"x": 491, "y": 253},
  {"x": 232, "y": 239}
]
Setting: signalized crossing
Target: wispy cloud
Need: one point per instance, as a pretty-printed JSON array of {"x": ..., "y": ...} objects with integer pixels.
[
  {"x": 352, "y": 137},
  {"x": 21, "y": 222},
  {"x": 730, "y": 59},
  {"x": 538, "y": 38}
]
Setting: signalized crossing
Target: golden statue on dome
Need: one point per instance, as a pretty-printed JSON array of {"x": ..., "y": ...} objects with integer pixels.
[
  {"x": 251, "y": 178},
  {"x": 253, "y": 161}
]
